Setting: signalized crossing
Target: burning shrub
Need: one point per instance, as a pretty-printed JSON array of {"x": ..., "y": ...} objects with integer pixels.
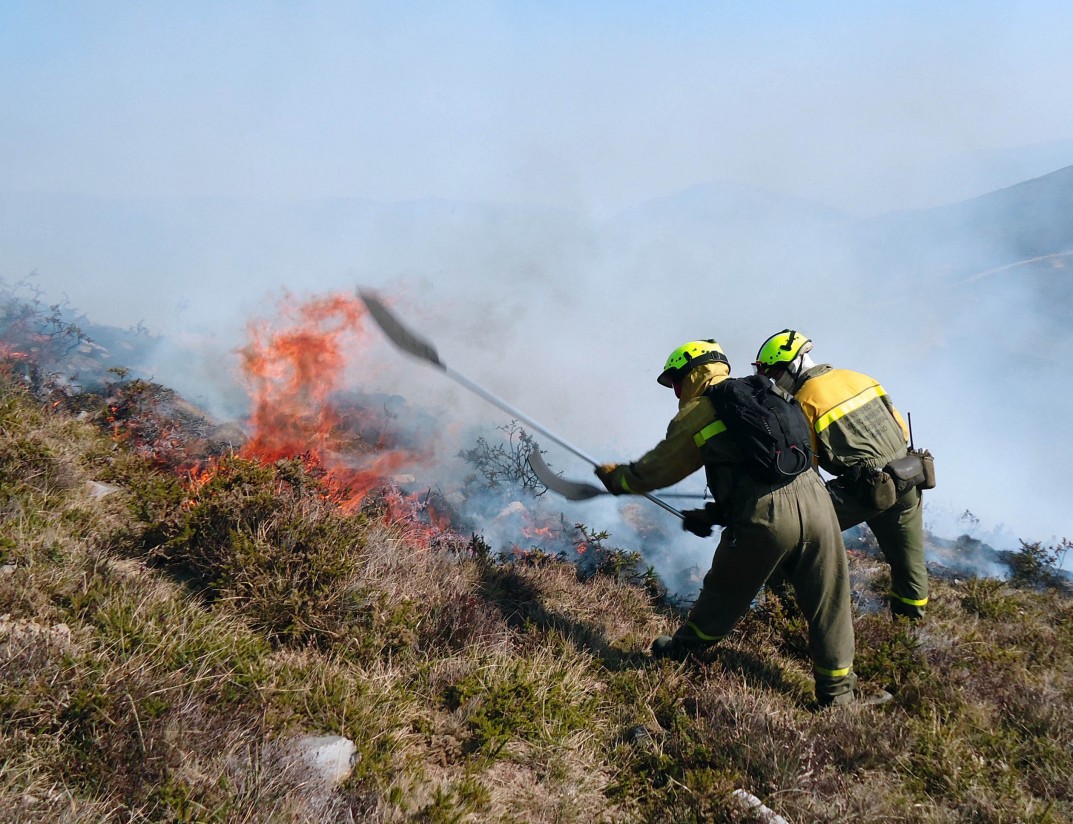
[
  {"x": 627, "y": 566},
  {"x": 152, "y": 420},
  {"x": 35, "y": 339}
]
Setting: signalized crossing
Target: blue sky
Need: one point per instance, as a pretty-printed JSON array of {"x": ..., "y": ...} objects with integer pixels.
[{"x": 582, "y": 105}]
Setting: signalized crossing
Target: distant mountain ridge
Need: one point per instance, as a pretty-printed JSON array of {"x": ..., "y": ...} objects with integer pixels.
[
  {"x": 960, "y": 177},
  {"x": 960, "y": 308},
  {"x": 1029, "y": 220},
  {"x": 203, "y": 246}
]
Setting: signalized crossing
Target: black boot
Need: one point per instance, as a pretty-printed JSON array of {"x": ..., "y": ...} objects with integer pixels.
[{"x": 680, "y": 646}]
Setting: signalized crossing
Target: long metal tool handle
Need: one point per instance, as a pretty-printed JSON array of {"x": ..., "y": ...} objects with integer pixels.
[
  {"x": 417, "y": 346},
  {"x": 543, "y": 430},
  {"x": 517, "y": 413}
]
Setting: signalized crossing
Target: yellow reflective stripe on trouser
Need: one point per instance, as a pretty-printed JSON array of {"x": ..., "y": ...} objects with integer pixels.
[
  {"x": 844, "y": 408},
  {"x": 913, "y": 602},
  {"x": 709, "y": 432},
  {"x": 838, "y": 673},
  {"x": 703, "y": 636}
]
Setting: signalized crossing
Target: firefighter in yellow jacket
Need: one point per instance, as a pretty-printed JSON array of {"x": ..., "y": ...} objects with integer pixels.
[
  {"x": 788, "y": 525},
  {"x": 858, "y": 433}
]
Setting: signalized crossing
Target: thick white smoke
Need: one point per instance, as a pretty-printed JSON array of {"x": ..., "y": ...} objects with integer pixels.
[
  {"x": 569, "y": 319},
  {"x": 221, "y": 158}
]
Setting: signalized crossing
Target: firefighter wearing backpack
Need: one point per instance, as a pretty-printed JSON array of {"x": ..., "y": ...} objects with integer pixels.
[
  {"x": 788, "y": 524},
  {"x": 860, "y": 438}
]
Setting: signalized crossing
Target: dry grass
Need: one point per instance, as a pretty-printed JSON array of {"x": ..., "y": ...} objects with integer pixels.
[{"x": 160, "y": 648}]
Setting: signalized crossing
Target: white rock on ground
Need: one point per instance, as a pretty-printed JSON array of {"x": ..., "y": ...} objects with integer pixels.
[
  {"x": 331, "y": 757},
  {"x": 759, "y": 810},
  {"x": 17, "y": 634},
  {"x": 100, "y": 490}
]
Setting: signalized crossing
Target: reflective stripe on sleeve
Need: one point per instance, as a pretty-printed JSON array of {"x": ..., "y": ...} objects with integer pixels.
[
  {"x": 625, "y": 486},
  {"x": 836, "y": 673},
  {"x": 913, "y": 602},
  {"x": 844, "y": 408},
  {"x": 709, "y": 432}
]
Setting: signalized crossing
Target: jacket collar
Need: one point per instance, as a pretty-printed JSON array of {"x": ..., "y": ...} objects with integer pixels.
[
  {"x": 699, "y": 379},
  {"x": 809, "y": 374}
]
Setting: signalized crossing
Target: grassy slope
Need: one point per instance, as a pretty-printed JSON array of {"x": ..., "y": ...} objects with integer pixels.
[{"x": 159, "y": 646}]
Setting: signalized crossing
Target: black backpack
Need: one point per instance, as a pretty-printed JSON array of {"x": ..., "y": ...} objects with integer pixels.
[{"x": 768, "y": 426}]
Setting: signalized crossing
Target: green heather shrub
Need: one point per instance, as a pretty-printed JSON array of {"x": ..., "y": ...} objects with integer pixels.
[
  {"x": 269, "y": 539},
  {"x": 519, "y": 701},
  {"x": 455, "y": 801},
  {"x": 989, "y": 598},
  {"x": 887, "y": 650},
  {"x": 119, "y": 707},
  {"x": 38, "y": 450},
  {"x": 1037, "y": 566}
]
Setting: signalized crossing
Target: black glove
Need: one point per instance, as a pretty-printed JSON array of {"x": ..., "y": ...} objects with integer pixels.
[
  {"x": 700, "y": 521},
  {"x": 696, "y": 521}
]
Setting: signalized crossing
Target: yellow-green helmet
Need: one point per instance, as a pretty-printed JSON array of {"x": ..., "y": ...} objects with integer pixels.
[
  {"x": 781, "y": 348},
  {"x": 688, "y": 355}
]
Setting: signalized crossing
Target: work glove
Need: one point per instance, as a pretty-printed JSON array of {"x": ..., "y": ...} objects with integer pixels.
[
  {"x": 606, "y": 474},
  {"x": 696, "y": 521},
  {"x": 700, "y": 521}
]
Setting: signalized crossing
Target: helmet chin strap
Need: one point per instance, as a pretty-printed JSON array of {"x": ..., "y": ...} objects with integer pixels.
[
  {"x": 790, "y": 379},
  {"x": 786, "y": 381}
]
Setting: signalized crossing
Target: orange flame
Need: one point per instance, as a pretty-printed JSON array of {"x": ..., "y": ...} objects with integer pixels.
[
  {"x": 293, "y": 368},
  {"x": 293, "y": 371}
]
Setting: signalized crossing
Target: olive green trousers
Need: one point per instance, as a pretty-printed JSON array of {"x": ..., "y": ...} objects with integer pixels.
[
  {"x": 900, "y": 533},
  {"x": 793, "y": 528}
]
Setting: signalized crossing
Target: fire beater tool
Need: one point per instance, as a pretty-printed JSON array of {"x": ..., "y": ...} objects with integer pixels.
[
  {"x": 578, "y": 490},
  {"x": 412, "y": 344}
]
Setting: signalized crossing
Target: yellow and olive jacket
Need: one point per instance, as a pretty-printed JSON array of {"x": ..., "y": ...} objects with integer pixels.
[
  {"x": 853, "y": 419},
  {"x": 696, "y": 437}
]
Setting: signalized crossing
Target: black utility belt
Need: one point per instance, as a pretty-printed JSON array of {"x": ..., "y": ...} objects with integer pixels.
[{"x": 881, "y": 488}]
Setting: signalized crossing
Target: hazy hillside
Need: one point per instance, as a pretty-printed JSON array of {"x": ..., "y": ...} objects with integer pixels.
[
  {"x": 176, "y": 618},
  {"x": 1033, "y": 219},
  {"x": 896, "y": 296},
  {"x": 178, "y": 248},
  {"x": 956, "y": 178},
  {"x": 183, "y": 604}
]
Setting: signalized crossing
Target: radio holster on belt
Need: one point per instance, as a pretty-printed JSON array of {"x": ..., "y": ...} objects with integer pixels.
[
  {"x": 880, "y": 489},
  {"x": 871, "y": 487},
  {"x": 928, "y": 462},
  {"x": 916, "y": 469}
]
